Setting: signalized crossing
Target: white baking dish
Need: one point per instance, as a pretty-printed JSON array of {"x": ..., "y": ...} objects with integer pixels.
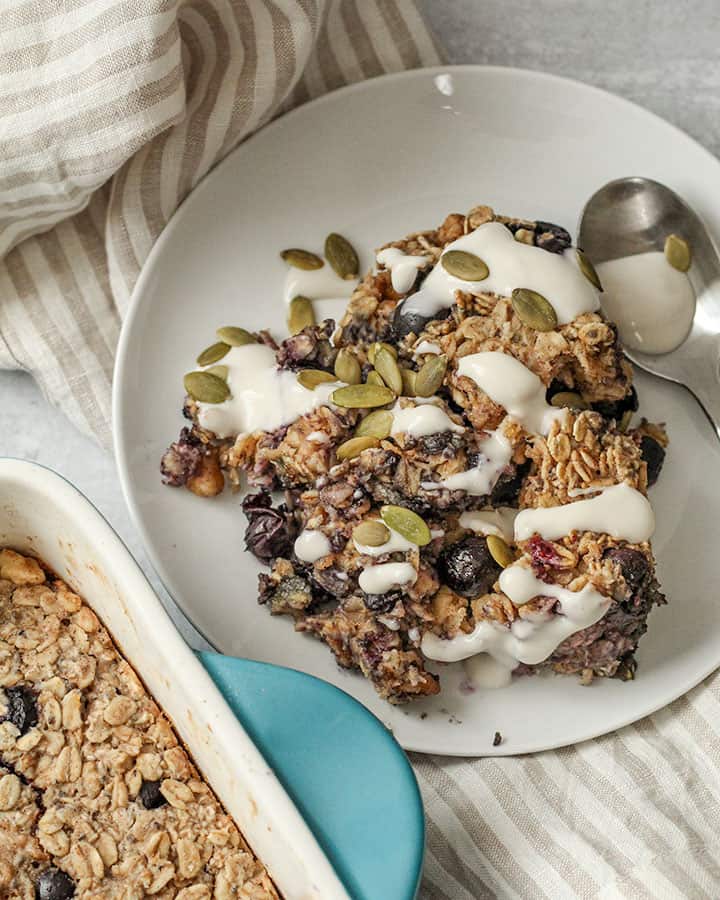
[{"x": 42, "y": 514}]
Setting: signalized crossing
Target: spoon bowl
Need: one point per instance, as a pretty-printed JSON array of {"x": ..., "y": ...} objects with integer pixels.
[{"x": 635, "y": 215}]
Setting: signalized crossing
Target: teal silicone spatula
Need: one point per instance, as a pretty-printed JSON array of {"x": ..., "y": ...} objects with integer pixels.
[{"x": 343, "y": 769}]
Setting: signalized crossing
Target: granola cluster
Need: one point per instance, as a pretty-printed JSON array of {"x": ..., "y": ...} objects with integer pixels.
[
  {"x": 330, "y": 491},
  {"x": 98, "y": 799}
]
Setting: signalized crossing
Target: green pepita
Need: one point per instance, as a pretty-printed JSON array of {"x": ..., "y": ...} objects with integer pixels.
[
  {"x": 569, "y": 400},
  {"x": 362, "y": 396},
  {"x": 625, "y": 421},
  {"x": 341, "y": 255},
  {"x": 409, "y": 380},
  {"x": 678, "y": 252},
  {"x": 235, "y": 337},
  {"x": 206, "y": 387},
  {"x": 371, "y": 533},
  {"x": 533, "y": 309},
  {"x": 464, "y": 265},
  {"x": 302, "y": 259},
  {"x": 499, "y": 550},
  {"x": 311, "y": 378},
  {"x": 373, "y": 349},
  {"x": 407, "y": 523},
  {"x": 347, "y": 368},
  {"x": 375, "y": 378},
  {"x": 588, "y": 269},
  {"x": 431, "y": 375},
  {"x": 213, "y": 353},
  {"x": 389, "y": 370},
  {"x": 219, "y": 371},
  {"x": 355, "y": 445},
  {"x": 300, "y": 314},
  {"x": 377, "y": 424}
]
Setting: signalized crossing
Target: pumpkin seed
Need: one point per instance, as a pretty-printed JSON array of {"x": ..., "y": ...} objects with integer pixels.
[
  {"x": 219, "y": 371},
  {"x": 341, "y": 255},
  {"x": 625, "y": 421},
  {"x": 362, "y": 396},
  {"x": 373, "y": 349},
  {"x": 388, "y": 370},
  {"x": 500, "y": 551},
  {"x": 371, "y": 533},
  {"x": 347, "y": 368},
  {"x": 533, "y": 309},
  {"x": 300, "y": 314},
  {"x": 409, "y": 380},
  {"x": 407, "y": 523},
  {"x": 213, "y": 353},
  {"x": 375, "y": 378},
  {"x": 206, "y": 387},
  {"x": 678, "y": 252},
  {"x": 311, "y": 378},
  {"x": 376, "y": 424},
  {"x": 235, "y": 337},
  {"x": 430, "y": 377},
  {"x": 568, "y": 399},
  {"x": 355, "y": 445},
  {"x": 588, "y": 269},
  {"x": 302, "y": 259},
  {"x": 464, "y": 265}
]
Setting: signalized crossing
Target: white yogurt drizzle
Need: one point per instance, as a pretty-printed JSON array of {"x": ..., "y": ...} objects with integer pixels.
[
  {"x": 379, "y": 579},
  {"x": 512, "y": 264},
  {"x": 310, "y": 546},
  {"x": 403, "y": 267},
  {"x": 652, "y": 303},
  {"x": 419, "y": 421},
  {"x": 484, "y": 671},
  {"x": 262, "y": 397},
  {"x": 529, "y": 640},
  {"x": 620, "y": 511},
  {"x": 490, "y": 521},
  {"x": 494, "y": 455},
  {"x": 512, "y": 385},
  {"x": 395, "y": 543},
  {"x": 427, "y": 347},
  {"x": 317, "y": 284}
]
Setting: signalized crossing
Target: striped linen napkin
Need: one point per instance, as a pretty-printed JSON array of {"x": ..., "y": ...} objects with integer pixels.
[{"x": 110, "y": 113}]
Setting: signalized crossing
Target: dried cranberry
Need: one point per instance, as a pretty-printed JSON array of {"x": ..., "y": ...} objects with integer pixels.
[
  {"x": 633, "y": 565},
  {"x": 614, "y": 409},
  {"x": 181, "y": 459},
  {"x": 468, "y": 567},
  {"x": 54, "y": 884},
  {"x": 150, "y": 795},
  {"x": 21, "y": 707},
  {"x": 653, "y": 454},
  {"x": 543, "y": 556}
]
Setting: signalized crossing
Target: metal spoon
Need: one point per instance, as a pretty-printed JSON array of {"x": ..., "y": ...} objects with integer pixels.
[{"x": 635, "y": 215}]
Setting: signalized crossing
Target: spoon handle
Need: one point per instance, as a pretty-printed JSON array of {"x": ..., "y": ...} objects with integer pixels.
[{"x": 706, "y": 389}]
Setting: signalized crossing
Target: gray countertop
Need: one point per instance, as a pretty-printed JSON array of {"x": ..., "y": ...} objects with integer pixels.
[{"x": 663, "y": 56}]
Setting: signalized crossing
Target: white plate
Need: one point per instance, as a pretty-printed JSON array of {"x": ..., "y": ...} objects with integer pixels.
[{"x": 376, "y": 161}]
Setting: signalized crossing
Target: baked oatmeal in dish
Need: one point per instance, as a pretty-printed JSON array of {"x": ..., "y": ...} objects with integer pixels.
[
  {"x": 460, "y": 475},
  {"x": 98, "y": 798}
]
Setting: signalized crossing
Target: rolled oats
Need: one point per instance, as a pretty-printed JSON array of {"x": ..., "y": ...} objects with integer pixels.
[{"x": 97, "y": 739}]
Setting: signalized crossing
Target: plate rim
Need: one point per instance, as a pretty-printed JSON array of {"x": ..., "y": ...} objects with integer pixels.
[{"x": 135, "y": 302}]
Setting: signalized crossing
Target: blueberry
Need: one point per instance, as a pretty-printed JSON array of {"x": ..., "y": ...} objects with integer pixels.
[
  {"x": 150, "y": 796},
  {"x": 22, "y": 707},
  {"x": 436, "y": 443},
  {"x": 467, "y": 567},
  {"x": 614, "y": 409},
  {"x": 633, "y": 565},
  {"x": 654, "y": 455},
  {"x": 553, "y": 238},
  {"x": 381, "y": 603},
  {"x": 405, "y": 323},
  {"x": 507, "y": 487},
  {"x": 54, "y": 884}
]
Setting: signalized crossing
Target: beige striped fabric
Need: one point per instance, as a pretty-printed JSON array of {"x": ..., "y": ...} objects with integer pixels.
[{"x": 110, "y": 112}]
